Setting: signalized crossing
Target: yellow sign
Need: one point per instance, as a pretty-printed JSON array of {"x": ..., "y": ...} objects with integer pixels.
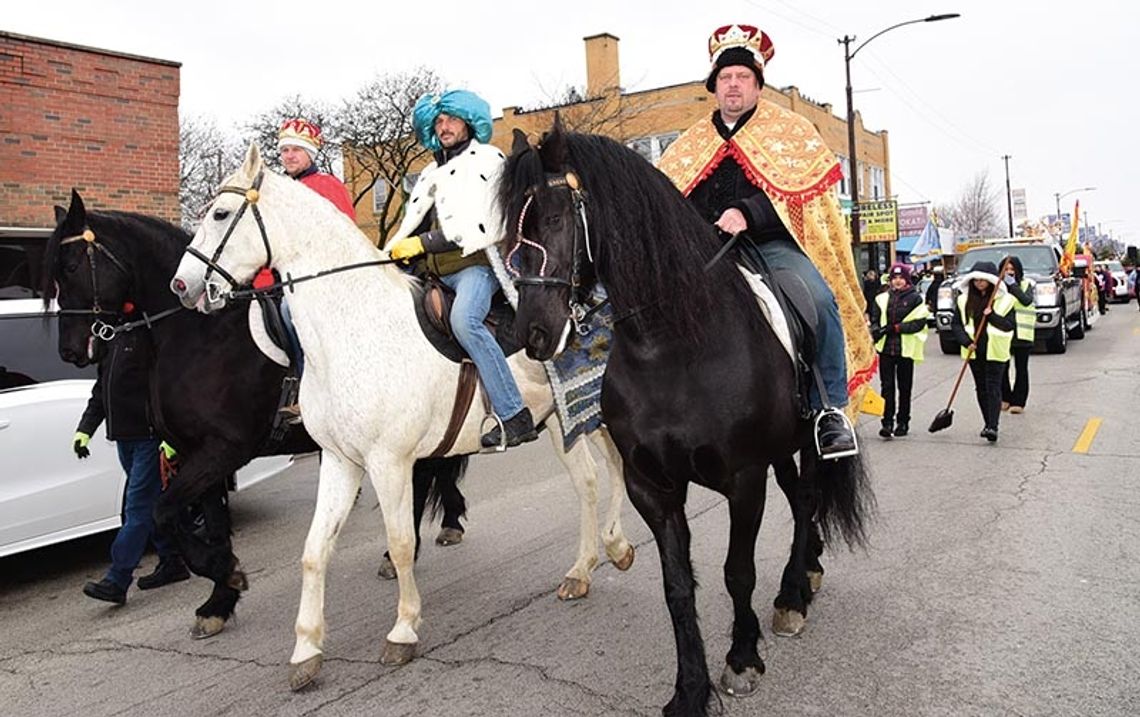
[{"x": 879, "y": 221}]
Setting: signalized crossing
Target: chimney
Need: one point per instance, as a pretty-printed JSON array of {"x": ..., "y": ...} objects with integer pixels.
[{"x": 601, "y": 65}]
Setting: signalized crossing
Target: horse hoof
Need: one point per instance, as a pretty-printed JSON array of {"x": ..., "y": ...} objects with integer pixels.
[
  {"x": 742, "y": 685},
  {"x": 815, "y": 577},
  {"x": 573, "y": 588},
  {"x": 449, "y": 536},
  {"x": 397, "y": 653},
  {"x": 206, "y": 627},
  {"x": 787, "y": 623},
  {"x": 624, "y": 562},
  {"x": 238, "y": 581},
  {"x": 301, "y": 675},
  {"x": 387, "y": 570}
]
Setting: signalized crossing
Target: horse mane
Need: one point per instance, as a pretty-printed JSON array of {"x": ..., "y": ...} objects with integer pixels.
[
  {"x": 649, "y": 240},
  {"x": 114, "y": 224}
]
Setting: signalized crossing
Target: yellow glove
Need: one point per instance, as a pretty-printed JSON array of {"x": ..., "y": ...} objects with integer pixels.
[
  {"x": 167, "y": 450},
  {"x": 79, "y": 444},
  {"x": 407, "y": 248}
]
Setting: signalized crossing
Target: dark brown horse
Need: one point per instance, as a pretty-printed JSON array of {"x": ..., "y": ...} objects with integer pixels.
[{"x": 698, "y": 388}]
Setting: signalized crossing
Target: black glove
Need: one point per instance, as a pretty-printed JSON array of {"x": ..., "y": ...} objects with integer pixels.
[{"x": 80, "y": 444}]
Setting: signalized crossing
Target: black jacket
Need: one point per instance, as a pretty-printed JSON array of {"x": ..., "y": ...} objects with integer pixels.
[
  {"x": 121, "y": 395},
  {"x": 899, "y": 304}
]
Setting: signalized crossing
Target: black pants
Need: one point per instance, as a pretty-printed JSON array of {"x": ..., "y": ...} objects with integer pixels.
[
  {"x": 987, "y": 381},
  {"x": 1102, "y": 301},
  {"x": 892, "y": 369},
  {"x": 1017, "y": 393}
]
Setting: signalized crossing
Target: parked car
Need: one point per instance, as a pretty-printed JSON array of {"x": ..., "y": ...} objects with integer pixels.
[
  {"x": 1060, "y": 307},
  {"x": 47, "y": 495},
  {"x": 1119, "y": 277}
]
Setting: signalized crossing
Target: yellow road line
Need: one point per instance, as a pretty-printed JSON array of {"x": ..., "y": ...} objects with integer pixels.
[{"x": 1086, "y": 438}]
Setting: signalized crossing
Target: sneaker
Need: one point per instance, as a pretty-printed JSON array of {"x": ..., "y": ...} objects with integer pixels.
[
  {"x": 886, "y": 431},
  {"x": 834, "y": 436},
  {"x": 902, "y": 428},
  {"x": 990, "y": 434},
  {"x": 170, "y": 570},
  {"x": 1017, "y": 409},
  {"x": 519, "y": 427},
  {"x": 107, "y": 591}
]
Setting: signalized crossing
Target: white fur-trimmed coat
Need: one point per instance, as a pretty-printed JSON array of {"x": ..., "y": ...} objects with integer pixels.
[{"x": 463, "y": 194}]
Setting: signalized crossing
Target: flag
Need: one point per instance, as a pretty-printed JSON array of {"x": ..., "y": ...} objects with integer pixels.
[
  {"x": 1071, "y": 245},
  {"x": 927, "y": 242}
]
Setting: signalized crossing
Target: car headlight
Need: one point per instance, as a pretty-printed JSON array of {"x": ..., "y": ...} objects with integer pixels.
[
  {"x": 945, "y": 297},
  {"x": 1045, "y": 294}
]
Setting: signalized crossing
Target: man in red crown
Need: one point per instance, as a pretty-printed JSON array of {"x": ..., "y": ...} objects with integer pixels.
[
  {"x": 298, "y": 141},
  {"x": 754, "y": 168}
]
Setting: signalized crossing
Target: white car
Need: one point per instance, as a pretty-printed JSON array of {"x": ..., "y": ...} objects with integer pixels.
[
  {"x": 48, "y": 495},
  {"x": 1119, "y": 279}
]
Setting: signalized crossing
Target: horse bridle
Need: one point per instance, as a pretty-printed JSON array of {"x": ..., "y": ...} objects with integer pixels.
[
  {"x": 580, "y": 310},
  {"x": 250, "y": 196},
  {"x": 99, "y": 328}
]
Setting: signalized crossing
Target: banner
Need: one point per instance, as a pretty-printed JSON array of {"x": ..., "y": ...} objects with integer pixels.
[
  {"x": 912, "y": 220},
  {"x": 1020, "y": 212},
  {"x": 878, "y": 222}
]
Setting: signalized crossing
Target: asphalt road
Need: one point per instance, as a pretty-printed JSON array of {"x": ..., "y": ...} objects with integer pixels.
[{"x": 1000, "y": 580}]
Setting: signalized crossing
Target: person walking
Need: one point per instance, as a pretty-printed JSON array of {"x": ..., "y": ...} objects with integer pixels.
[
  {"x": 982, "y": 297},
  {"x": 898, "y": 325},
  {"x": 1021, "y": 288},
  {"x": 120, "y": 399}
]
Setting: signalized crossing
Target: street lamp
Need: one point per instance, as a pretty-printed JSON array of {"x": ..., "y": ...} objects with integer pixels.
[
  {"x": 1059, "y": 196},
  {"x": 848, "y": 54}
]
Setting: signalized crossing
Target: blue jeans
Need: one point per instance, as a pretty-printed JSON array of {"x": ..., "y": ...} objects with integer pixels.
[
  {"x": 474, "y": 287},
  {"x": 144, "y": 484},
  {"x": 831, "y": 356},
  {"x": 291, "y": 335}
]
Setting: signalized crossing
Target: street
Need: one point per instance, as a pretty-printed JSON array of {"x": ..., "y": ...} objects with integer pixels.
[{"x": 1000, "y": 579}]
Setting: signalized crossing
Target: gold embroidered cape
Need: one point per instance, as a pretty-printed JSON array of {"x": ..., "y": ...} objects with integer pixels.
[{"x": 782, "y": 154}]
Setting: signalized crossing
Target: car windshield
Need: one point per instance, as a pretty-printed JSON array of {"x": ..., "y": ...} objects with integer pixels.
[
  {"x": 1034, "y": 259},
  {"x": 1116, "y": 266}
]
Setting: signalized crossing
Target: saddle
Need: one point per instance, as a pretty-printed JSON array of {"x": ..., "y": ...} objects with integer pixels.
[
  {"x": 433, "y": 310},
  {"x": 795, "y": 302}
]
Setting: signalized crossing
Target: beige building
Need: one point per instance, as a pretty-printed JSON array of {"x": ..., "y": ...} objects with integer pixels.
[{"x": 649, "y": 120}]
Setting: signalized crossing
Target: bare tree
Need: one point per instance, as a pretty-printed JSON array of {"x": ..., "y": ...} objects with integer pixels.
[
  {"x": 975, "y": 213},
  {"x": 206, "y": 155},
  {"x": 611, "y": 115},
  {"x": 263, "y": 128},
  {"x": 379, "y": 144}
]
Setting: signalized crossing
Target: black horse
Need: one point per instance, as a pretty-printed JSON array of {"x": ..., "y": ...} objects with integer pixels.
[
  {"x": 213, "y": 392},
  {"x": 698, "y": 388}
]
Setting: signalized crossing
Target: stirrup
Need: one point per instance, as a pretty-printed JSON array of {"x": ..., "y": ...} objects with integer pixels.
[
  {"x": 502, "y": 445},
  {"x": 853, "y": 451}
]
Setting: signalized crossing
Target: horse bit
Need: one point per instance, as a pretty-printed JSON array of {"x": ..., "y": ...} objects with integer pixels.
[{"x": 579, "y": 310}]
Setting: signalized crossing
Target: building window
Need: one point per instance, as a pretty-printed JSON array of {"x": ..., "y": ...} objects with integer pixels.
[
  {"x": 878, "y": 182},
  {"x": 861, "y": 170},
  {"x": 845, "y": 182},
  {"x": 653, "y": 146},
  {"x": 379, "y": 195}
]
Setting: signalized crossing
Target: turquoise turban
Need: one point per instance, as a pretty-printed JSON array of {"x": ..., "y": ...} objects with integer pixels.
[{"x": 467, "y": 106}]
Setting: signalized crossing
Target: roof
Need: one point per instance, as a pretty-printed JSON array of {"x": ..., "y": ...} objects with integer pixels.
[{"x": 86, "y": 48}]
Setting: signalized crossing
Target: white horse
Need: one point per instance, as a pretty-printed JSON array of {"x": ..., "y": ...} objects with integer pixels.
[{"x": 375, "y": 394}]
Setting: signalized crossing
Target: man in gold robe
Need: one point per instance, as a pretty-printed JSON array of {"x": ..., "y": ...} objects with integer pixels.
[{"x": 755, "y": 168}]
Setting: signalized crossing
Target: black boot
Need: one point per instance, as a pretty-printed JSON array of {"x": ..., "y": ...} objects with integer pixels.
[
  {"x": 887, "y": 430},
  {"x": 990, "y": 434},
  {"x": 519, "y": 427},
  {"x": 107, "y": 591},
  {"x": 834, "y": 435},
  {"x": 902, "y": 428},
  {"x": 170, "y": 570}
]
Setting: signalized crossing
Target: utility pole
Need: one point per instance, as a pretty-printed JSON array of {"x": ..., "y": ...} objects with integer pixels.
[{"x": 1008, "y": 195}]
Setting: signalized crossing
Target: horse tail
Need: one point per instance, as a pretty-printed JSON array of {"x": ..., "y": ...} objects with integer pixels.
[
  {"x": 443, "y": 489},
  {"x": 846, "y": 502}
]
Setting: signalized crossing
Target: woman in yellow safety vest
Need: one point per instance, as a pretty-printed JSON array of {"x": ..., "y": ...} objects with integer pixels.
[
  {"x": 1014, "y": 396},
  {"x": 898, "y": 325},
  {"x": 989, "y": 355}
]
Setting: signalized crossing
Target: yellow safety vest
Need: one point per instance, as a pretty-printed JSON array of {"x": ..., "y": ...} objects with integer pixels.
[
  {"x": 997, "y": 341},
  {"x": 912, "y": 344},
  {"x": 1026, "y": 314}
]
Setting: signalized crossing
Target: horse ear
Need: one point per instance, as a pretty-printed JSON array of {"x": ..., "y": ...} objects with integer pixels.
[
  {"x": 520, "y": 144},
  {"x": 60, "y": 214},
  {"x": 553, "y": 147},
  {"x": 252, "y": 164},
  {"x": 76, "y": 215}
]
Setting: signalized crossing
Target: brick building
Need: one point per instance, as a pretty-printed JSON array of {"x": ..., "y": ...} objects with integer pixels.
[{"x": 103, "y": 122}]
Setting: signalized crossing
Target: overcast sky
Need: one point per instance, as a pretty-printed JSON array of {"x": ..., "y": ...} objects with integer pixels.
[{"x": 1050, "y": 83}]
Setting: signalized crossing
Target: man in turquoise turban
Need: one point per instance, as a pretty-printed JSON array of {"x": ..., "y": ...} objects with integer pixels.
[{"x": 456, "y": 127}]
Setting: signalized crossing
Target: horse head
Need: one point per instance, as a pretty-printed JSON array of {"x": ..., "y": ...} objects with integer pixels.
[
  {"x": 88, "y": 276},
  {"x": 229, "y": 247},
  {"x": 542, "y": 198}
]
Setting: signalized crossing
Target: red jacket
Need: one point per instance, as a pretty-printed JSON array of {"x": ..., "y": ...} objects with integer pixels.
[{"x": 331, "y": 189}]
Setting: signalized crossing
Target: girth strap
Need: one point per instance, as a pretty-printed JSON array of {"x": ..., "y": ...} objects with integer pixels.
[{"x": 464, "y": 393}]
